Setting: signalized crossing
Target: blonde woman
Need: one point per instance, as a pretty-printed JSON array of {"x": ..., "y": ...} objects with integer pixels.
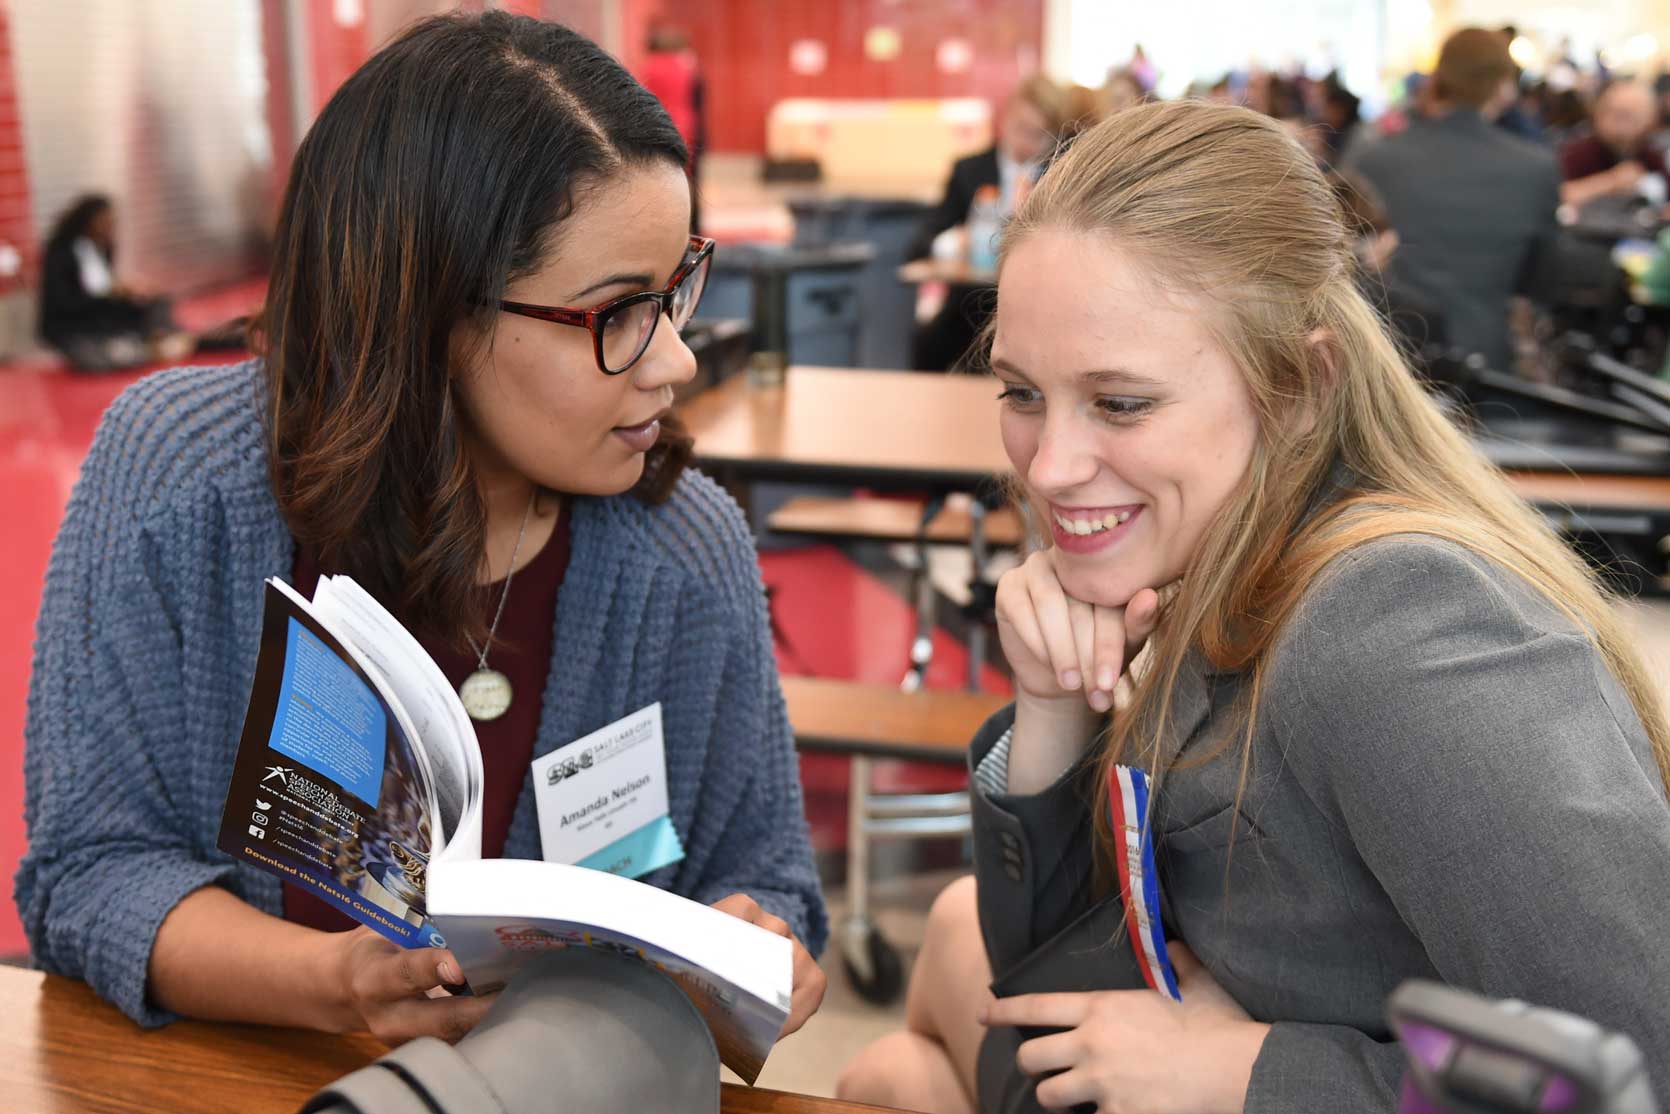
[{"x": 1393, "y": 727}]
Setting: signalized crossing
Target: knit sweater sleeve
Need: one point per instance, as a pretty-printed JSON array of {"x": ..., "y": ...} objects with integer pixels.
[
  {"x": 763, "y": 846},
  {"x": 108, "y": 855}
]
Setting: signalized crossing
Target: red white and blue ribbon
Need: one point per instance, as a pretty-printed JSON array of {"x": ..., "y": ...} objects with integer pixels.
[{"x": 1139, "y": 882}]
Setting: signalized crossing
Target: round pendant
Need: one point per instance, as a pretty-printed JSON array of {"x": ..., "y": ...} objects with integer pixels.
[{"x": 486, "y": 694}]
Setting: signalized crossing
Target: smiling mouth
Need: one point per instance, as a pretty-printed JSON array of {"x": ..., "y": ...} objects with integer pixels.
[{"x": 1085, "y": 525}]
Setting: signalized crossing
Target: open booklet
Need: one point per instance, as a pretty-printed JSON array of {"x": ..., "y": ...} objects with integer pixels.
[{"x": 359, "y": 779}]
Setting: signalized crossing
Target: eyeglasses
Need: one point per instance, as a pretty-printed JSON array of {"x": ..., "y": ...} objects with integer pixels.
[{"x": 621, "y": 330}]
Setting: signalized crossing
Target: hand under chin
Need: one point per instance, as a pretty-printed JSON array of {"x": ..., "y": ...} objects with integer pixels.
[{"x": 1111, "y": 585}]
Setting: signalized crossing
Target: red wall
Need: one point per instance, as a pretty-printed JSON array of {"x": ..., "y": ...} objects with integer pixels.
[
  {"x": 743, "y": 46},
  {"x": 334, "y": 51},
  {"x": 16, "y": 227}
]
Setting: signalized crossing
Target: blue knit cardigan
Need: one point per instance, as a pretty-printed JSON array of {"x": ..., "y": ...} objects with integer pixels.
[{"x": 146, "y": 648}]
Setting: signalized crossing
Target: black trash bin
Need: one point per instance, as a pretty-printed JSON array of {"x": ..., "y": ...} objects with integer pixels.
[{"x": 806, "y": 302}]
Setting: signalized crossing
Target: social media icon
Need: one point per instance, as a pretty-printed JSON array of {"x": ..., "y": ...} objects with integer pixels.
[
  {"x": 258, "y": 833},
  {"x": 259, "y": 817},
  {"x": 263, "y": 805}
]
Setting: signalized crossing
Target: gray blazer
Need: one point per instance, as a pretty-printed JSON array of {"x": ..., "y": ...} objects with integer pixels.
[
  {"x": 1445, "y": 783},
  {"x": 1473, "y": 208}
]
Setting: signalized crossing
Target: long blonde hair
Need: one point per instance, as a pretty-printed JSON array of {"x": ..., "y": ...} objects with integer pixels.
[{"x": 1219, "y": 202}]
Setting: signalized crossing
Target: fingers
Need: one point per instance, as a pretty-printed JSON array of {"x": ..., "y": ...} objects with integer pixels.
[
  {"x": 1142, "y": 614},
  {"x": 1025, "y": 625},
  {"x": 449, "y": 1019},
  {"x": 1051, "y": 1053},
  {"x": 809, "y": 987},
  {"x": 1109, "y": 653},
  {"x": 1082, "y": 616},
  {"x": 1067, "y": 1090},
  {"x": 1051, "y": 1011},
  {"x": 745, "y": 908},
  {"x": 809, "y": 980},
  {"x": 740, "y": 906},
  {"x": 1049, "y": 605},
  {"x": 392, "y": 972},
  {"x": 1058, "y": 644}
]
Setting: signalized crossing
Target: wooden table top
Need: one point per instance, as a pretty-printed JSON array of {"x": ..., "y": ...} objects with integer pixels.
[
  {"x": 935, "y": 725},
  {"x": 913, "y": 429},
  {"x": 919, "y": 271},
  {"x": 844, "y": 425},
  {"x": 65, "y": 1051}
]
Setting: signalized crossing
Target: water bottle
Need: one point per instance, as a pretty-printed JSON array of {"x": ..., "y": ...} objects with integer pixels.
[{"x": 985, "y": 225}]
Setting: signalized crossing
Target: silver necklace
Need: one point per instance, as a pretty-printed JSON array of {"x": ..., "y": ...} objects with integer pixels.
[{"x": 486, "y": 693}]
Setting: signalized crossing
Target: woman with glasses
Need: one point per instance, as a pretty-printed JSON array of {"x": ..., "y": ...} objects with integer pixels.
[{"x": 468, "y": 356}]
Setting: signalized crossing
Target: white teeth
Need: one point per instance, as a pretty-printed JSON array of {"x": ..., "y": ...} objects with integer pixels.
[{"x": 1084, "y": 527}]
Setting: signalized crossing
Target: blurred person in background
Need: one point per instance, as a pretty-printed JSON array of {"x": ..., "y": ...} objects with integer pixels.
[
  {"x": 1564, "y": 113},
  {"x": 1142, "y": 69},
  {"x": 1340, "y": 118},
  {"x": 1618, "y": 150},
  {"x": 1082, "y": 109},
  {"x": 1122, "y": 90},
  {"x": 1521, "y": 117},
  {"x": 1473, "y": 207},
  {"x": 1284, "y": 99},
  {"x": 97, "y": 323},
  {"x": 1028, "y": 126},
  {"x": 672, "y": 73}
]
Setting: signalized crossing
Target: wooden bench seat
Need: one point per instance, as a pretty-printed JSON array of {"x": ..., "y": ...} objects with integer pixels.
[
  {"x": 892, "y": 520},
  {"x": 897, "y": 520},
  {"x": 853, "y": 717},
  {"x": 1593, "y": 492}
]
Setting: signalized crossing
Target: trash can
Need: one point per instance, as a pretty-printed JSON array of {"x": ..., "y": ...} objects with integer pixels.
[
  {"x": 806, "y": 302},
  {"x": 888, "y": 225}
]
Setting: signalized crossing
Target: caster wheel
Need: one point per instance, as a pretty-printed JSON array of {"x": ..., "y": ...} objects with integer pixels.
[{"x": 873, "y": 967}]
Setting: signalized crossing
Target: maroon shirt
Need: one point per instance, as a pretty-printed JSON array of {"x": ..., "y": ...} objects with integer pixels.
[
  {"x": 522, "y": 652},
  {"x": 1587, "y": 155}
]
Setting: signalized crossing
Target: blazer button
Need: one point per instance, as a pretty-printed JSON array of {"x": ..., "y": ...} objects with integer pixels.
[
  {"x": 1013, "y": 870},
  {"x": 1011, "y": 842}
]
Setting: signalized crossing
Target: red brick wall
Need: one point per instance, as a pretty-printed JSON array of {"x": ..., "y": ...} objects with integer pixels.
[
  {"x": 16, "y": 222},
  {"x": 743, "y": 48}
]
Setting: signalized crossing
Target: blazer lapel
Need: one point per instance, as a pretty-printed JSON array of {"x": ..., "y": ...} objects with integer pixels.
[{"x": 1191, "y": 703}]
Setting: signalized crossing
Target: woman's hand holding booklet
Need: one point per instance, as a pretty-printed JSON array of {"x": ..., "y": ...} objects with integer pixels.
[{"x": 359, "y": 778}]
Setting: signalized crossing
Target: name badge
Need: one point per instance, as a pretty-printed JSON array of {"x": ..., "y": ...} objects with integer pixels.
[
  {"x": 1139, "y": 881},
  {"x": 603, "y": 799}
]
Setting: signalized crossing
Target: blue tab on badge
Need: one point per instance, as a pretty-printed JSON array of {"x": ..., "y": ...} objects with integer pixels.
[
  {"x": 1139, "y": 880},
  {"x": 649, "y": 848},
  {"x": 602, "y": 799}
]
